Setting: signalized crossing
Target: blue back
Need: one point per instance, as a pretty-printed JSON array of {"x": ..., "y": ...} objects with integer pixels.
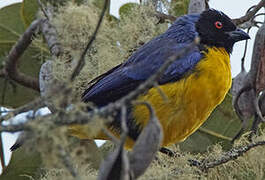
[{"x": 119, "y": 81}]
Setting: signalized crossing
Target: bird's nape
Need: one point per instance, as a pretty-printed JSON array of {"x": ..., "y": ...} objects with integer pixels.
[{"x": 217, "y": 30}]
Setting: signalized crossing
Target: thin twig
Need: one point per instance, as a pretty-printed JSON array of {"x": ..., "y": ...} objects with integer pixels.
[
  {"x": 81, "y": 61},
  {"x": 249, "y": 14},
  {"x": 85, "y": 117},
  {"x": 113, "y": 138},
  {"x": 244, "y": 54},
  {"x": 163, "y": 17},
  {"x": 252, "y": 7},
  {"x": 50, "y": 34},
  {"x": 226, "y": 157},
  {"x": 260, "y": 14},
  {"x": 14, "y": 55},
  {"x": 168, "y": 152},
  {"x": 123, "y": 120},
  {"x": 36, "y": 104},
  {"x": 161, "y": 92},
  {"x": 150, "y": 82},
  {"x": 248, "y": 87},
  {"x": 43, "y": 9},
  {"x": 81, "y": 117},
  {"x": 14, "y": 128},
  {"x": 257, "y": 108},
  {"x": 250, "y": 80},
  {"x": 212, "y": 133}
]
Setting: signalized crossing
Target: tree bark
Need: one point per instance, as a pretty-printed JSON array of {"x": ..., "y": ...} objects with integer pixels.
[{"x": 196, "y": 6}]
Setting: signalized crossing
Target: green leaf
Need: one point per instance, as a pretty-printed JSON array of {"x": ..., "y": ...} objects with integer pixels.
[
  {"x": 179, "y": 7},
  {"x": 223, "y": 123},
  {"x": 11, "y": 28},
  {"x": 127, "y": 9},
  {"x": 28, "y": 11},
  {"x": 23, "y": 164}
]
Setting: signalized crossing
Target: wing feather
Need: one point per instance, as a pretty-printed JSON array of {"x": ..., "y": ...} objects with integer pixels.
[{"x": 126, "y": 77}]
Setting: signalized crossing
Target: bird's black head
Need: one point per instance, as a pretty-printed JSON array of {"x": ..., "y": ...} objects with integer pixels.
[{"x": 217, "y": 29}]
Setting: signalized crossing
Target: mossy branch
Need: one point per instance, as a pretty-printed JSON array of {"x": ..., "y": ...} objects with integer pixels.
[
  {"x": 36, "y": 104},
  {"x": 11, "y": 69},
  {"x": 238, "y": 21},
  {"x": 67, "y": 161},
  {"x": 251, "y": 83},
  {"x": 50, "y": 34},
  {"x": 233, "y": 154},
  {"x": 16, "y": 52},
  {"x": 250, "y": 14},
  {"x": 83, "y": 117},
  {"x": 163, "y": 17},
  {"x": 121, "y": 165},
  {"x": 81, "y": 61}
]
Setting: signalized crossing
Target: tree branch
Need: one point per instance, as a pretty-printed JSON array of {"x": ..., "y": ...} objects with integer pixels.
[
  {"x": 151, "y": 81},
  {"x": 249, "y": 14},
  {"x": 14, "y": 55},
  {"x": 81, "y": 61},
  {"x": 82, "y": 117},
  {"x": 36, "y": 104},
  {"x": 196, "y": 6},
  {"x": 250, "y": 83},
  {"x": 14, "y": 128},
  {"x": 67, "y": 161},
  {"x": 43, "y": 9},
  {"x": 228, "y": 156},
  {"x": 163, "y": 17},
  {"x": 50, "y": 34}
]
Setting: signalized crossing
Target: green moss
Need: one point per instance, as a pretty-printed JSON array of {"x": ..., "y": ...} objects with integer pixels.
[
  {"x": 179, "y": 7},
  {"x": 131, "y": 32},
  {"x": 134, "y": 29}
]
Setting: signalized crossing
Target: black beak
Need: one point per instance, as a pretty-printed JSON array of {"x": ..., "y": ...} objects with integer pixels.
[{"x": 238, "y": 35}]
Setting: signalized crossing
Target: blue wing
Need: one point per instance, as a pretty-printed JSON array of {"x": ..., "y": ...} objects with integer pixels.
[{"x": 124, "y": 78}]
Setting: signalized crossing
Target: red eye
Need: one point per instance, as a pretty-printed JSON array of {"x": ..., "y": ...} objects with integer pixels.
[{"x": 218, "y": 24}]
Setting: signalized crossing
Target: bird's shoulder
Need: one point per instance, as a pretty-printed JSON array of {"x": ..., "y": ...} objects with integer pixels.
[
  {"x": 147, "y": 60},
  {"x": 178, "y": 35}
]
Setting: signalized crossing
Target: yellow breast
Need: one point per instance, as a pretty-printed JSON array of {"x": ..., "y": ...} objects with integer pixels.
[{"x": 190, "y": 100}]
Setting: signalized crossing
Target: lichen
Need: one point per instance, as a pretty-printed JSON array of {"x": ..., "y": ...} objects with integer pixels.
[{"x": 115, "y": 41}]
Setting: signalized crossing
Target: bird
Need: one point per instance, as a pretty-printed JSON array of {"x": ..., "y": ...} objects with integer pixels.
[{"x": 193, "y": 85}]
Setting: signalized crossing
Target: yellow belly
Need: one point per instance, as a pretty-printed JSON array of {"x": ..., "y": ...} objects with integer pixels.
[{"x": 190, "y": 100}]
